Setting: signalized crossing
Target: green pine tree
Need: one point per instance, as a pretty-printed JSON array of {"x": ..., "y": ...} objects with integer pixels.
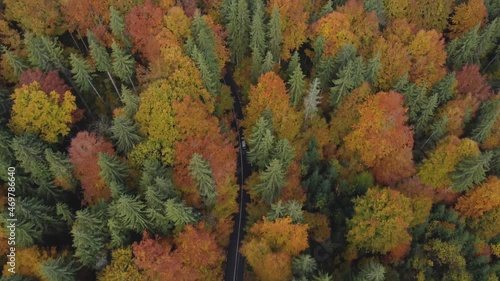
[
  {"x": 29, "y": 151},
  {"x": 261, "y": 143},
  {"x": 274, "y": 35},
  {"x": 123, "y": 65},
  {"x": 54, "y": 53},
  {"x": 207, "y": 76},
  {"x": 256, "y": 65},
  {"x": 37, "y": 55},
  {"x": 272, "y": 180},
  {"x": 117, "y": 25},
  {"x": 238, "y": 28},
  {"x": 112, "y": 169},
  {"x": 462, "y": 50},
  {"x": 426, "y": 114},
  {"x": 268, "y": 63},
  {"x": 60, "y": 167},
  {"x": 201, "y": 171},
  {"x": 15, "y": 61},
  {"x": 284, "y": 152},
  {"x": 204, "y": 40},
  {"x": 41, "y": 216},
  {"x": 59, "y": 269},
  {"x": 350, "y": 77},
  {"x": 444, "y": 89},
  {"x": 125, "y": 133},
  {"x": 296, "y": 85},
  {"x": 488, "y": 115},
  {"x": 373, "y": 271},
  {"x": 372, "y": 69},
  {"x": 82, "y": 75},
  {"x": 130, "y": 101},
  {"x": 488, "y": 38},
  {"x": 326, "y": 9},
  {"x": 292, "y": 209},
  {"x": 313, "y": 99},
  {"x": 130, "y": 212},
  {"x": 90, "y": 234},
  {"x": 318, "y": 46},
  {"x": 179, "y": 214},
  {"x": 304, "y": 265},
  {"x": 323, "y": 276},
  {"x": 27, "y": 234},
  {"x": 257, "y": 28},
  {"x": 292, "y": 65},
  {"x": 63, "y": 211},
  {"x": 471, "y": 171}
]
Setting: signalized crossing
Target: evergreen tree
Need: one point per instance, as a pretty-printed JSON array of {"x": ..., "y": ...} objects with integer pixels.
[
  {"x": 37, "y": 55},
  {"x": 125, "y": 133},
  {"x": 488, "y": 115},
  {"x": 444, "y": 88},
  {"x": 350, "y": 77},
  {"x": 239, "y": 24},
  {"x": 378, "y": 7},
  {"x": 292, "y": 65},
  {"x": 60, "y": 269},
  {"x": 207, "y": 76},
  {"x": 130, "y": 212},
  {"x": 437, "y": 130},
  {"x": 495, "y": 162},
  {"x": 54, "y": 53},
  {"x": 15, "y": 62},
  {"x": 318, "y": 46},
  {"x": 101, "y": 59},
  {"x": 323, "y": 276},
  {"x": 117, "y": 25},
  {"x": 81, "y": 74},
  {"x": 488, "y": 38},
  {"x": 122, "y": 64},
  {"x": 201, "y": 171},
  {"x": 272, "y": 180},
  {"x": 274, "y": 35},
  {"x": 257, "y": 29},
  {"x": 261, "y": 143},
  {"x": 268, "y": 63},
  {"x": 471, "y": 171},
  {"x": 61, "y": 168},
  {"x": 292, "y": 209},
  {"x": 313, "y": 99},
  {"x": 326, "y": 9},
  {"x": 90, "y": 234},
  {"x": 63, "y": 211},
  {"x": 304, "y": 265},
  {"x": 373, "y": 271},
  {"x": 179, "y": 214},
  {"x": 130, "y": 101},
  {"x": 29, "y": 151},
  {"x": 462, "y": 50},
  {"x": 325, "y": 72},
  {"x": 416, "y": 99},
  {"x": 26, "y": 233},
  {"x": 152, "y": 170},
  {"x": 112, "y": 169},
  {"x": 296, "y": 86},
  {"x": 256, "y": 65},
  {"x": 372, "y": 69},
  {"x": 426, "y": 114},
  {"x": 41, "y": 216},
  {"x": 284, "y": 152}
]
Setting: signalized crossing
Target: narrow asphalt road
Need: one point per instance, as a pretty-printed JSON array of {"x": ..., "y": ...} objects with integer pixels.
[{"x": 235, "y": 262}]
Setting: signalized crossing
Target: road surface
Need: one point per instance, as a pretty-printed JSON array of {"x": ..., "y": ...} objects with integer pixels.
[{"x": 235, "y": 262}]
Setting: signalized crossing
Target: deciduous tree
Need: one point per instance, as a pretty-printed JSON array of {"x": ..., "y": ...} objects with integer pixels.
[
  {"x": 466, "y": 16},
  {"x": 481, "y": 199}
]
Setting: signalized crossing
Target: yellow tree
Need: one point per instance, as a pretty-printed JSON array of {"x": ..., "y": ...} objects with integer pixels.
[
  {"x": 381, "y": 221},
  {"x": 122, "y": 267},
  {"x": 428, "y": 57},
  {"x": 466, "y": 16},
  {"x": 436, "y": 169},
  {"x": 272, "y": 245},
  {"x": 481, "y": 199},
  {"x": 37, "y": 112},
  {"x": 335, "y": 29},
  {"x": 44, "y": 16}
]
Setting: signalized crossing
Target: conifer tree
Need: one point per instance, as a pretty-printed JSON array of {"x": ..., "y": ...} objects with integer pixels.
[
  {"x": 350, "y": 77},
  {"x": 257, "y": 29},
  {"x": 274, "y": 35},
  {"x": 112, "y": 169},
  {"x": 117, "y": 25},
  {"x": 130, "y": 212},
  {"x": 179, "y": 214},
  {"x": 207, "y": 76},
  {"x": 304, "y": 266},
  {"x": 292, "y": 65},
  {"x": 125, "y": 133},
  {"x": 471, "y": 171},
  {"x": 256, "y": 65},
  {"x": 284, "y": 152},
  {"x": 325, "y": 72},
  {"x": 444, "y": 88},
  {"x": 82, "y": 74},
  {"x": 488, "y": 38},
  {"x": 26, "y": 233},
  {"x": 326, "y": 9},
  {"x": 62, "y": 209},
  {"x": 268, "y": 63},
  {"x": 201, "y": 171},
  {"x": 122, "y": 64},
  {"x": 29, "y": 151},
  {"x": 323, "y": 276},
  {"x": 130, "y": 101},
  {"x": 54, "y": 53},
  {"x": 296, "y": 86},
  {"x": 61, "y": 168},
  {"x": 261, "y": 143},
  {"x": 90, "y": 234},
  {"x": 292, "y": 209},
  {"x": 426, "y": 114},
  {"x": 15, "y": 62},
  {"x": 318, "y": 46},
  {"x": 37, "y": 56},
  {"x": 488, "y": 115},
  {"x": 462, "y": 50},
  {"x": 42, "y": 216},
  {"x": 101, "y": 59},
  {"x": 239, "y": 24},
  {"x": 272, "y": 180},
  {"x": 373, "y": 271},
  {"x": 313, "y": 99},
  {"x": 59, "y": 269},
  {"x": 372, "y": 69}
]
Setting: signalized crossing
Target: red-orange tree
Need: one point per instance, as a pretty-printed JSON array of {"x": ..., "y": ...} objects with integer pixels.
[
  {"x": 481, "y": 199},
  {"x": 381, "y": 137}
]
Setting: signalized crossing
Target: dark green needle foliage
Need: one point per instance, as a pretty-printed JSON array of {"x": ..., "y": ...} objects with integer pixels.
[
  {"x": 29, "y": 151},
  {"x": 284, "y": 152},
  {"x": 60, "y": 167},
  {"x": 257, "y": 28},
  {"x": 303, "y": 266},
  {"x": 113, "y": 170},
  {"x": 117, "y": 25},
  {"x": 63, "y": 211},
  {"x": 471, "y": 171},
  {"x": 15, "y": 62},
  {"x": 296, "y": 85},
  {"x": 130, "y": 101},
  {"x": 130, "y": 213},
  {"x": 261, "y": 144},
  {"x": 125, "y": 133},
  {"x": 292, "y": 209},
  {"x": 462, "y": 50},
  {"x": 373, "y": 271},
  {"x": 256, "y": 65},
  {"x": 34, "y": 212},
  {"x": 350, "y": 77},
  {"x": 274, "y": 35},
  {"x": 239, "y": 29},
  {"x": 179, "y": 214},
  {"x": 267, "y": 63},
  {"x": 372, "y": 69},
  {"x": 272, "y": 180},
  {"x": 444, "y": 88},
  {"x": 123, "y": 65},
  {"x": 58, "y": 269},
  {"x": 292, "y": 65},
  {"x": 201, "y": 172},
  {"x": 488, "y": 115}
]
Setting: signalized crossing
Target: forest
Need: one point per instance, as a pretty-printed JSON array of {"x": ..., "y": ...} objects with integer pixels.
[{"x": 372, "y": 130}]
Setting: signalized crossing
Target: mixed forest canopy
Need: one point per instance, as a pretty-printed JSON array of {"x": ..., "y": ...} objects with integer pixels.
[{"x": 373, "y": 132}]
